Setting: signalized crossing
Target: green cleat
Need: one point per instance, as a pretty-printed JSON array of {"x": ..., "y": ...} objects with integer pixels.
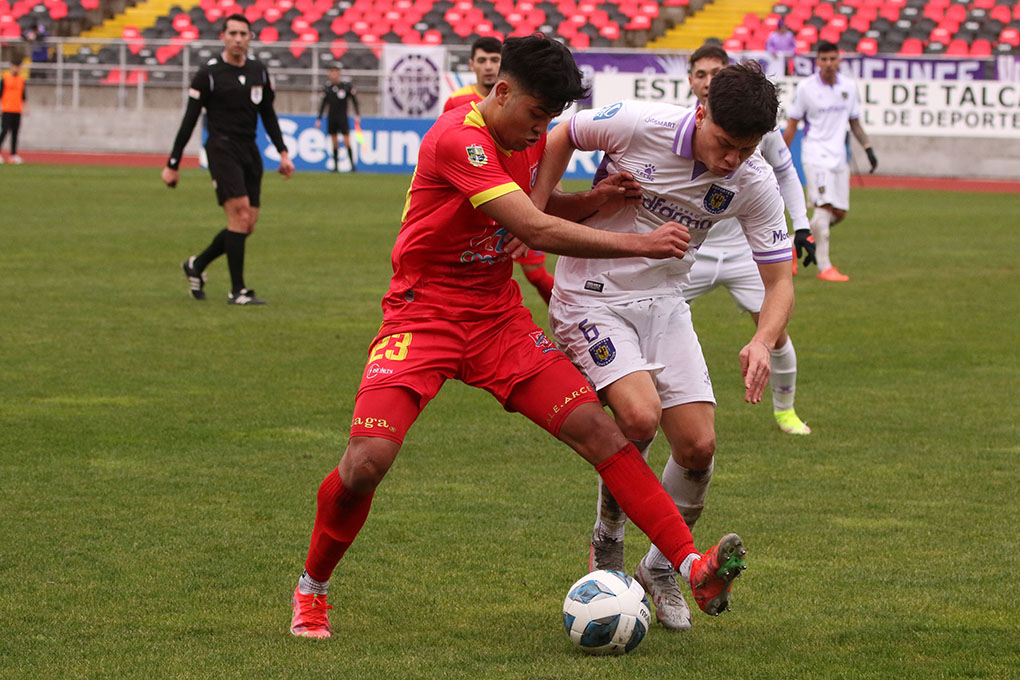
[{"x": 789, "y": 422}]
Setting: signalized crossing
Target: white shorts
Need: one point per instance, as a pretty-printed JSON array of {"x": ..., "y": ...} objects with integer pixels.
[
  {"x": 825, "y": 186},
  {"x": 736, "y": 271},
  {"x": 656, "y": 335}
]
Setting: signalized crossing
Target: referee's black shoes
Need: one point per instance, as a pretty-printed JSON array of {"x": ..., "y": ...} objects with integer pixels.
[
  {"x": 196, "y": 279},
  {"x": 245, "y": 296}
]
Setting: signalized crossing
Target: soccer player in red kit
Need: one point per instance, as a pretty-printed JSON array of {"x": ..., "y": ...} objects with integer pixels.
[
  {"x": 454, "y": 311},
  {"x": 485, "y": 56}
]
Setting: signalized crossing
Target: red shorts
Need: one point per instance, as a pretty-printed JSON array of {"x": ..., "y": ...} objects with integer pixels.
[{"x": 508, "y": 356}]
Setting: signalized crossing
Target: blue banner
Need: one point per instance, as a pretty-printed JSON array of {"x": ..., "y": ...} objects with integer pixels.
[{"x": 390, "y": 146}]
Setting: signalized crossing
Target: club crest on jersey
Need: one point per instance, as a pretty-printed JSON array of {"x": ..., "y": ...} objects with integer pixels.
[
  {"x": 717, "y": 199},
  {"x": 256, "y": 94},
  {"x": 608, "y": 111},
  {"x": 602, "y": 352},
  {"x": 476, "y": 155},
  {"x": 241, "y": 79}
]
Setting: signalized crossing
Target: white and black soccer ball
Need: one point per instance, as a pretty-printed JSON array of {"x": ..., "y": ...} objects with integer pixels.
[{"x": 606, "y": 612}]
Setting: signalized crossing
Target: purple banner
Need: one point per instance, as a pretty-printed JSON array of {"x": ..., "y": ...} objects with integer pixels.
[{"x": 903, "y": 68}]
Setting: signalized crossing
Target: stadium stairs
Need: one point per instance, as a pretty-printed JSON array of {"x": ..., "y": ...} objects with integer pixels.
[
  {"x": 141, "y": 16},
  {"x": 715, "y": 20}
]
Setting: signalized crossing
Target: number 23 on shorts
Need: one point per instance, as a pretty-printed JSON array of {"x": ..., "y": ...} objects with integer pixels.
[{"x": 392, "y": 347}]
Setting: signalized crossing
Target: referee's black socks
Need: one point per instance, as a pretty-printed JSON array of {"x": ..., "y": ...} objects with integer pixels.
[{"x": 233, "y": 243}]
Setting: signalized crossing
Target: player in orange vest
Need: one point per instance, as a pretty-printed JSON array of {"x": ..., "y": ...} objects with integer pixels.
[
  {"x": 485, "y": 59},
  {"x": 12, "y": 104}
]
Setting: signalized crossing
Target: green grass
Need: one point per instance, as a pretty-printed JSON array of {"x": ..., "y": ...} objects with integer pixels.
[{"x": 159, "y": 458}]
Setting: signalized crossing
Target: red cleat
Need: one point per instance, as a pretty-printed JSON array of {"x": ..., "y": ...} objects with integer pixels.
[
  {"x": 832, "y": 274},
  {"x": 311, "y": 615},
  {"x": 713, "y": 573}
]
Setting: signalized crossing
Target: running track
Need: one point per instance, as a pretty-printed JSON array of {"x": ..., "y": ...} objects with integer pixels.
[{"x": 157, "y": 161}]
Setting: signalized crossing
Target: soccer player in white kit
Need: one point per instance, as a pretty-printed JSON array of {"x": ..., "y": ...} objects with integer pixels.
[
  {"x": 624, "y": 322},
  {"x": 725, "y": 259},
  {"x": 827, "y": 102}
]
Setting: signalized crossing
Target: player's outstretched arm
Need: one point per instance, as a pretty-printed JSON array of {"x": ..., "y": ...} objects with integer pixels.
[
  {"x": 516, "y": 213},
  {"x": 862, "y": 137}
]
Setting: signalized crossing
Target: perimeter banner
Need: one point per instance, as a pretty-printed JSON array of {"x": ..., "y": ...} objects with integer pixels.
[{"x": 950, "y": 108}]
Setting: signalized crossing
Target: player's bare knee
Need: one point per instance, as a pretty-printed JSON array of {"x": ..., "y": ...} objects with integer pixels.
[
  {"x": 592, "y": 433},
  {"x": 695, "y": 453},
  {"x": 639, "y": 423},
  {"x": 364, "y": 464}
]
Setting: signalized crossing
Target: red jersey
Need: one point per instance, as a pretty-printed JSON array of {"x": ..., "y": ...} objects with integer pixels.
[
  {"x": 464, "y": 95},
  {"x": 448, "y": 261}
]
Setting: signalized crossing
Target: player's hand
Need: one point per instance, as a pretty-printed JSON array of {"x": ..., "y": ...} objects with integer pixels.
[
  {"x": 514, "y": 247},
  {"x": 318, "y": 123},
  {"x": 872, "y": 158},
  {"x": 669, "y": 240},
  {"x": 754, "y": 367},
  {"x": 805, "y": 244},
  {"x": 170, "y": 176},
  {"x": 286, "y": 165},
  {"x": 615, "y": 191}
]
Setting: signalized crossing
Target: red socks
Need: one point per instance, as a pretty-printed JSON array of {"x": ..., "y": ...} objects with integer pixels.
[
  {"x": 638, "y": 491},
  {"x": 542, "y": 280},
  {"x": 339, "y": 517}
]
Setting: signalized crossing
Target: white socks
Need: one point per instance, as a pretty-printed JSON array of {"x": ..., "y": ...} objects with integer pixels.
[
  {"x": 688, "y": 489},
  {"x": 784, "y": 376},
  {"x": 308, "y": 585},
  {"x": 820, "y": 229}
]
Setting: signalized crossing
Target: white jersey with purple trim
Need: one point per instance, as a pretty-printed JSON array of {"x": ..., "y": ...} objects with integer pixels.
[
  {"x": 654, "y": 141},
  {"x": 825, "y": 110},
  {"x": 727, "y": 235}
]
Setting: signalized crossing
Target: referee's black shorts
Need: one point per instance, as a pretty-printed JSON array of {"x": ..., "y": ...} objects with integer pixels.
[
  {"x": 339, "y": 126},
  {"x": 236, "y": 169}
]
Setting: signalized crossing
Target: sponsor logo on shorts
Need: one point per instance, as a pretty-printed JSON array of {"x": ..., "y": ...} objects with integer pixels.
[
  {"x": 376, "y": 370},
  {"x": 717, "y": 199},
  {"x": 549, "y": 417},
  {"x": 476, "y": 155},
  {"x": 541, "y": 342},
  {"x": 603, "y": 352},
  {"x": 593, "y": 285},
  {"x": 607, "y": 112},
  {"x": 779, "y": 235},
  {"x": 370, "y": 423}
]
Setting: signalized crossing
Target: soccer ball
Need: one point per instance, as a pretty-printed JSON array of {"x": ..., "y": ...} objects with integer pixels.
[{"x": 606, "y": 612}]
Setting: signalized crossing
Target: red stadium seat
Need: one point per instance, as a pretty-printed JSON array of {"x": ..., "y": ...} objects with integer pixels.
[
  {"x": 956, "y": 12},
  {"x": 940, "y": 35},
  {"x": 733, "y": 45},
  {"x": 269, "y": 35},
  {"x": 610, "y": 31},
  {"x": 1000, "y": 13},
  {"x": 957, "y": 48},
  {"x": 802, "y": 46},
  {"x": 860, "y": 24},
  {"x": 868, "y": 46},
  {"x": 1010, "y": 36},
  {"x": 839, "y": 22},
  {"x": 824, "y": 11},
  {"x": 808, "y": 33},
  {"x": 981, "y": 48},
  {"x": 912, "y": 46}
]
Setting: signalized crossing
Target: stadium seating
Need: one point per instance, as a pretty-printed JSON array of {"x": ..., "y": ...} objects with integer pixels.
[{"x": 959, "y": 28}]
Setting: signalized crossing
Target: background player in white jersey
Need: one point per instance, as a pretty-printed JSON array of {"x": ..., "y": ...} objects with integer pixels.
[
  {"x": 725, "y": 259},
  {"x": 624, "y": 321},
  {"x": 827, "y": 101}
]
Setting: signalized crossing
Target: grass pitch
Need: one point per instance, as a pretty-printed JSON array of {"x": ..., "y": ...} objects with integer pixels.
[{"x": 159, "y": 457}]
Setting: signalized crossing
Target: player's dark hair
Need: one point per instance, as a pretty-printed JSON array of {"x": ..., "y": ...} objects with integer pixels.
[
  {"x": 742, "y": 100},
  {"x": 709, "y": 51},
  {"x": 235, "y": 17},
  {"x": 825, "y": 46},
  {"x": 545, "y": 69},
  {"x": 486, "y": 44}
]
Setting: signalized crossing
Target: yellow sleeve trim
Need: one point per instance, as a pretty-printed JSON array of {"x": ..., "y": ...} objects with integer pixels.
[{"x": 495, "y": 192}]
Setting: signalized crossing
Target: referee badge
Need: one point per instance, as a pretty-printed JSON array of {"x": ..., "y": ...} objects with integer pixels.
[
  {"x": 256, "y": 94},
  {"x": 476, "y": 155},
  {"x": 717, "y": 199},
  {"x": 602, "y": 352}
]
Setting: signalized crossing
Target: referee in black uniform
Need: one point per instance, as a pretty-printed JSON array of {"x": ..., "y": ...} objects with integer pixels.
[
  {"x": 234, "y": 90},
  {"x": 335, "y": 95}
]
